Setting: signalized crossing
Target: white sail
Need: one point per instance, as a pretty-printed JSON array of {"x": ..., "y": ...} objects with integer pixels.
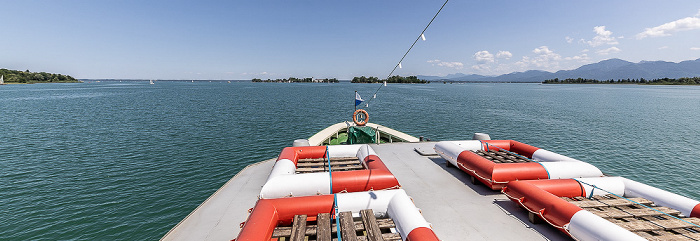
[{"x": 2, "y": 80}]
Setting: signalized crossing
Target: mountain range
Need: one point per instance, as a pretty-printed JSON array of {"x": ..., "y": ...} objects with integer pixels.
[{"x": 603, "y": 70}]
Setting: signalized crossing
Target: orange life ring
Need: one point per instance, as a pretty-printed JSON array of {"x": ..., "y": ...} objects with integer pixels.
[{"x": 362, "y": 122}]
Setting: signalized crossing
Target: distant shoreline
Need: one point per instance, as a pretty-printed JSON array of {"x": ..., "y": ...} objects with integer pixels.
[
  {"x": 28, "y": 77},
  {"x": 640, "y": 81}
]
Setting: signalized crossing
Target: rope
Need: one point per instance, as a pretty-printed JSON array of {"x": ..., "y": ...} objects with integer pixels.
[
  {"x": 596, "y": 187},
  {"x": 335, "y": 197},
  {"x": 409, "y": 50},
  {"x": 521, "y": 156}
]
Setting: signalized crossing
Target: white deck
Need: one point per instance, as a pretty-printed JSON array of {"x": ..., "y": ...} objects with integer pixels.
[{"x": 457, "y": 209}]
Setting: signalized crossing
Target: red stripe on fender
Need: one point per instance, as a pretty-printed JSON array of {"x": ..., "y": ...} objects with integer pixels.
[
  {"x": 493, "y": 144},
  {"x": 268, "y": 213},
  {"x": 373, "y": 162},
  {"x": 296, "y": 153},
  {"x": 696, "y": 211},
  {"x": 556, "y": 210},
  {"x": 517, "y": 171},
  {"x": 363, "y": 180},
  {"x": 422, "y": 234},
  {"x": 310, "y": 206},
  {"x": 522, "y": 148},
  {"x": 499, "y": 173},
  {"x": 260, "y": 223},
  {"x": 480, "y": 165}
]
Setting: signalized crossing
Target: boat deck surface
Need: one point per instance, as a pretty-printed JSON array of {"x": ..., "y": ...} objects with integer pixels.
[{"x": 457, "y": 209}]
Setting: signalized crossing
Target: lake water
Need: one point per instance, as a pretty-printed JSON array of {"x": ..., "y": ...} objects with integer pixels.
[{"x": 130, "y": 160}]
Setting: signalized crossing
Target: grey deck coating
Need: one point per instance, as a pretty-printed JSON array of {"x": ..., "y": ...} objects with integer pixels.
[{"x": 456, "y": 209}]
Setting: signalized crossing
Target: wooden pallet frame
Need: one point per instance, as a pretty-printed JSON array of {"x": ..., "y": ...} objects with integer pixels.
[
  {"x": 322, "y": 228},
  {"x": 645, "y": 222}
]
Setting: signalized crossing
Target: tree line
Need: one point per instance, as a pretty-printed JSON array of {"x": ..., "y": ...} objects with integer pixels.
[
  {"x": 392, "y": 79},
  {"x": 662, "y": 81},
  {"x": 27, "y": 77},
  {"x": 298, "y": 80}
]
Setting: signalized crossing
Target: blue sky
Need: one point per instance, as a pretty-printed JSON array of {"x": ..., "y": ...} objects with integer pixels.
[{"x": 341, "y": 39}]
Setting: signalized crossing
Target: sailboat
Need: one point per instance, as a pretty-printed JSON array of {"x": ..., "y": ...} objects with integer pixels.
[
  {"x": 152, "y": 82},
  {"x": 2, "y": 80}
]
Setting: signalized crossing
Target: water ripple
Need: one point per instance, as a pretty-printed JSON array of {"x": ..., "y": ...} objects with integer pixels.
[{"x": 129, "y": 161}]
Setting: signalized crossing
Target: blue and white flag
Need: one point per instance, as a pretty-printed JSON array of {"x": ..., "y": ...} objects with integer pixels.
[{"x": 358, "y": 99}]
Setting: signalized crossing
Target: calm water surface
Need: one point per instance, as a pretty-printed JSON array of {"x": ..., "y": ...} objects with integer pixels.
[{"x": 129, "y": 160}]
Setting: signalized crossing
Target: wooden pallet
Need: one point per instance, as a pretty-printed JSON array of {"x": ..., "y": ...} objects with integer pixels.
[
  {"x": 322, "y": 228},
  {"x": 502, "y": 156},
  {"x": 645, "y": 222},
  {"x": 321, "y": 164}
]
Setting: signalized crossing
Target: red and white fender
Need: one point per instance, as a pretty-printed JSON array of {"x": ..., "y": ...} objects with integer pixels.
[
  {"x": 542, "y": 198},
  {"x": 387, "y": 203},
  {"x": 284, "y": 182},
  {"x": 547, "y": 165}
]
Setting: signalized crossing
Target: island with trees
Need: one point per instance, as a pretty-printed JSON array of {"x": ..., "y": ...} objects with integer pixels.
[
  {"x": 27, "y": 77},
  {"x": 392, "y": 79},
  {"x": 297, "y": 80},
  {"x": 662, "y": 81}
]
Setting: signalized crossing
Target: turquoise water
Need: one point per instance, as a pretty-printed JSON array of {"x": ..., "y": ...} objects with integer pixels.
[{"x": 129, "y": 160}]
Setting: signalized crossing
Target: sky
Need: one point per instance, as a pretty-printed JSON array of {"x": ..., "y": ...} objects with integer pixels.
[{"x": 240, "y": 40}]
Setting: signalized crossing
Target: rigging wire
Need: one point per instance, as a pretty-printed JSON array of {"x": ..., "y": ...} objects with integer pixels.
[{"x": 420, "y": 36}]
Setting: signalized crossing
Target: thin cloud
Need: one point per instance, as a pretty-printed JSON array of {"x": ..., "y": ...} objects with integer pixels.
[
  {"x": 569, "y": 39},
  {"x": 602, "y": 37},
  {"x": 663, "y": 47},
  {"x": 454, "y": 65},
  {"x": 695, "y": 48},
  {"x": 580, "y": 58},
  {"x": 607, "y": 51},
  {"x": 666, "y": 29},
  {"x": 504, "y": 55},
  {"x": 484, "y": 57},
  {"x": 544, "y": 58}
]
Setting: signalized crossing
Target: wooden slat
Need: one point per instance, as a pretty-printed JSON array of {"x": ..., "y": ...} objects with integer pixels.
[
  {"x": 323, "y": 230},
  {"x": 639, "y": 226},
  {"x": 588, "y": 204},
  {"x": 501, "y": 157},
  {"x": 672, "y": 223},
  {"x": 347, "y": 227},
  {"x": 327, "y": 226},
  {"x": 640, "y": 211},
  {"x": 694, "y": 234},
  {"x": 623, "y": 202},
  {"x": 314, "y": 164},
  {"x": 321, "y": 169},
  {"x": 391, "y": 236},
  {"x": 609, "y": 212},
  {"x": 298, "y": 228},
  {"x": 332, "y": 159},
  {"x": 386, "y": 223},
  {"x": 371, "y": 226}
]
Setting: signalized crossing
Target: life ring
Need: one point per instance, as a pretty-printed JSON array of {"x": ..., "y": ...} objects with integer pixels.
[{"x": 360, "y": 122}]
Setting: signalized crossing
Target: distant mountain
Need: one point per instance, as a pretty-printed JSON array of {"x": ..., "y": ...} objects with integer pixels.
[{"x": 603, "y": 70}]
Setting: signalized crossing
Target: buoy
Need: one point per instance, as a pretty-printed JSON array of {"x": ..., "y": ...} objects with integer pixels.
[{"x": 362, "y": 119}]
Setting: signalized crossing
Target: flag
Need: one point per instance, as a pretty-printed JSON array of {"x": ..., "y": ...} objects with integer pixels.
[{"x": 358, "y": 99}]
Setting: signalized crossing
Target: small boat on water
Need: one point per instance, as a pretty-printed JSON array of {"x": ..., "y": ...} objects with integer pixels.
[
  {"x": 364, "y": 181},
  {"x": 151, "y": 82},
  {"x": 2, "y": 80}
]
